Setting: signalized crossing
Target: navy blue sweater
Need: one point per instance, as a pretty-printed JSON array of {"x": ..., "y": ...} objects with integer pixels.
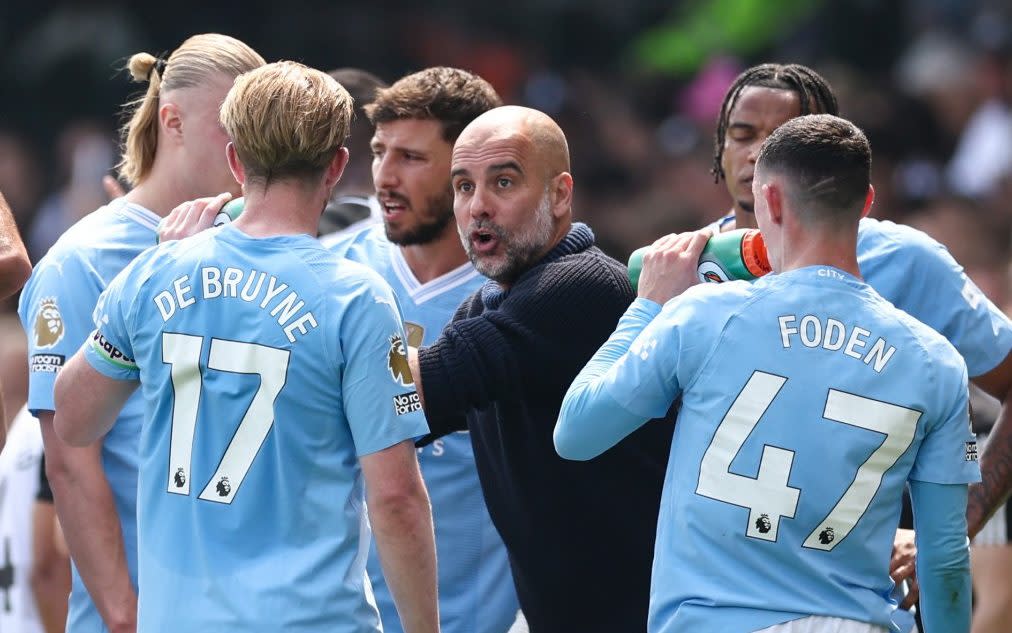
[{"x": 580, "y": 535}]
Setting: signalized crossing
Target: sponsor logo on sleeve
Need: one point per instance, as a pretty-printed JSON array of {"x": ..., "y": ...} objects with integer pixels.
[
  {"x": 971, "y": 451},
  {"x": 46, "y": 363},
  {"x": 397, "y": 361},
  {"x": 110, "y": 352},
  {"x": 48, "y": 324},
  {"x": 407, "y": 403}
]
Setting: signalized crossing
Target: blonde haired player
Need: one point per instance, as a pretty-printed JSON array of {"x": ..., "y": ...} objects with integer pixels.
[
  {"x": 174, "y": 150},
  {"x": 265, "y": 364}
]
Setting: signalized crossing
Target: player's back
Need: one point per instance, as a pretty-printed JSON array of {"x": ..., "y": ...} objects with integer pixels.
[
  {"x": 807, "y": 402},
  {"x": 250, "y": 354}
]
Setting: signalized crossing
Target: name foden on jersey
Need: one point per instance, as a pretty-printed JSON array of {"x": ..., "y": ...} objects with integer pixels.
[
  {"x": 833, "y": 335},
  {"x": 250, "y": 286}
]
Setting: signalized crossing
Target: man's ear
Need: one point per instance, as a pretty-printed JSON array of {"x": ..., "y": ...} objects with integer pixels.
[
  {"x": 773, "y": 194},
  {"x": 234, "y": 164},
  {"x": 336, "y": 167},
  {"x": 869, "y": 200},
  {"x": 561, "y": 192},
  {"x": 171, "y": 122}
]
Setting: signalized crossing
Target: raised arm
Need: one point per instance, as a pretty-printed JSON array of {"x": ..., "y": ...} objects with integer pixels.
[
  {"x": 598, "y": 410},
  {"x": 537, "y": 339},
  {"x": 591, "y": 421}
]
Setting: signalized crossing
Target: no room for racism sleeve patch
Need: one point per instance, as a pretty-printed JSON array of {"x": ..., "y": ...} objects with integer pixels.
[{"x": 407, "y": 403}]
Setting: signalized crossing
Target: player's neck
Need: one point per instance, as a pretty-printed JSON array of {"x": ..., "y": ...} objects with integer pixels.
[
  {"x": 165, "y": 187},
  {"x": 283, "y": 208},
  {"x": 803, "y": 251},
  {"x": 159, "y": 195},
  {"x": 436, "y": 258}
]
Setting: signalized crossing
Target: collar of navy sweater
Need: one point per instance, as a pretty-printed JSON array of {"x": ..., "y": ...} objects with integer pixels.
[{"x": 579, "y": 239}]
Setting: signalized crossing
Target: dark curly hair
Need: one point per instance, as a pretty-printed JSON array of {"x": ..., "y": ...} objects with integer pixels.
[
  {"x": 814, "y": 93},
  {"x": 451, "y": 96}
]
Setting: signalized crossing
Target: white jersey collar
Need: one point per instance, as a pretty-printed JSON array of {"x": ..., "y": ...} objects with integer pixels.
[{"x": 420, "y": 292}]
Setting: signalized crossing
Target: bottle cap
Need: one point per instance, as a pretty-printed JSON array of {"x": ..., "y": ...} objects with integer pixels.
[{"x": 754, "y": 255}]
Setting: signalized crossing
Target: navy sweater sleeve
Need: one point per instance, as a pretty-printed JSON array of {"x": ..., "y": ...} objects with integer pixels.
[{"x": 541, "y": 333}]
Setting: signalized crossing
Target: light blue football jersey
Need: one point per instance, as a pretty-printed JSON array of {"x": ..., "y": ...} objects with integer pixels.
[
  {"x": 919, "y": 276},
  {"x": 267, "y": 367},
  {"x": 807, "y": 401},
  {"x": 476, "y": 593},
  {"x": 55, "y": 310}
]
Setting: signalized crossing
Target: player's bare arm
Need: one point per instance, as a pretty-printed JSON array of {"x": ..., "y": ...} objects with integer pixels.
[
  {"x": 401, "y": 519},
  {"x": 86, "y": 406},
  {"x": 87, "y": 402},
  {"x": 996, "y": 461},
  {"x": 50, "y": 574},
  {"x": 87, "y": 512},
  {"x": 15, "y": 267}
]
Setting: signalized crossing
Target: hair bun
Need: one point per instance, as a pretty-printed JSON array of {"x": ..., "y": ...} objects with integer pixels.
[{"x": 141, "y": 64}]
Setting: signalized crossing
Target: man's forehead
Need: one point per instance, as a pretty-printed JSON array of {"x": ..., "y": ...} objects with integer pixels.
[
  {"x": 760, "y": 100},
  {"x": 479, "y": 154},
  {"x": 408, "y": 131}
]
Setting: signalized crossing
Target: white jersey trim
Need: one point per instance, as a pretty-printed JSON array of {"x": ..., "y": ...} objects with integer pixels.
[
  {"x": 419, "y": 292},
  {"x": 137, "y": 213},
  {"x": 824, "y": 624}
]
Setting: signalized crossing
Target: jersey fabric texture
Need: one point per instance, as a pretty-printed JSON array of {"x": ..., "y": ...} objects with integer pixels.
[
  {"x": 267, "y": 366},
  {"x": 20, "y": 461},
  {"x": 476, "y": 593},
  {"x": 772, "y": 376},
  {"x": 55, "y": 310}
]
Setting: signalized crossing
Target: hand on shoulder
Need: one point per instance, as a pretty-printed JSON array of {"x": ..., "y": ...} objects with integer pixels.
[{"x": 191, "y": 217}]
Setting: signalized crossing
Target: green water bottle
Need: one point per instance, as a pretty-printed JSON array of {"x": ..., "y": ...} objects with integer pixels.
[
  {"x": 738, "y": 254},
  {"x": 229, "y": 211}
]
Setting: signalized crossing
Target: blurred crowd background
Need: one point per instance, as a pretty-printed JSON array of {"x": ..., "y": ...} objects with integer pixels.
[{"x": 635, "y": 84}]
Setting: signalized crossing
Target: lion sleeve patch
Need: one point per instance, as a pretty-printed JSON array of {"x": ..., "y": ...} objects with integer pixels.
[
  {"x": 397, "y": 362},
  {"x": 49, "y": 328}
]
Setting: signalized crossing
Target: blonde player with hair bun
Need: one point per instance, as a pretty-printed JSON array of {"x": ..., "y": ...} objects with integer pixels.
[
  {"x": 173, "y": 150},
  {"x": 268, "y": 365}
]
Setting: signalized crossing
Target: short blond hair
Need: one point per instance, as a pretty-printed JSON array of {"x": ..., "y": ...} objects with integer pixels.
[
  {"x": 199, "y": 59},
  {"x": 286, "y": 120}
]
